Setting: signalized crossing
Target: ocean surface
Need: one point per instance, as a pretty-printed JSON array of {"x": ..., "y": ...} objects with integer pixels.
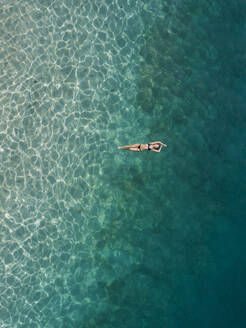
[{"x": 91, "y": 236}]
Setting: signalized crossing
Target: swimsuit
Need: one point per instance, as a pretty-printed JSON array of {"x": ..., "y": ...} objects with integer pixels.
[{"x": 139, "y": 147}]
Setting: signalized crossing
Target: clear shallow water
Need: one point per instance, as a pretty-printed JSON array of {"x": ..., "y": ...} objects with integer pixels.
[{"x": 91, "y": 236}]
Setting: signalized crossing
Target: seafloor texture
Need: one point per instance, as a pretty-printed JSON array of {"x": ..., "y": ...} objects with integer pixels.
[{"x": 95, "y": 237}]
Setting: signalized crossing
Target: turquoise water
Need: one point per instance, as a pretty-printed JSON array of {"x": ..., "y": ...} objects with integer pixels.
[{"x": 95, "y": 237}]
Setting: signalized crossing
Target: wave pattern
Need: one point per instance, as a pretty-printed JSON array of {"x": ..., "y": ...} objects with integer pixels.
[{"x": 63, "y": 68}]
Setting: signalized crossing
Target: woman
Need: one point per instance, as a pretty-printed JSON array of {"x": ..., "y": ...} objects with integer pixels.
[{"x": 152, "y": 146}]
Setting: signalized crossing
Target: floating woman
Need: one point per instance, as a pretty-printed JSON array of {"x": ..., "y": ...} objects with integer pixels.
[{"x": 152, "y": 146}]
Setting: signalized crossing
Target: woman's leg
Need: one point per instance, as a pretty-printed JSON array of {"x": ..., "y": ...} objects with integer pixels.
[
  {"x": 129, "y": 146},
  {"x": 133, "y": 149}
]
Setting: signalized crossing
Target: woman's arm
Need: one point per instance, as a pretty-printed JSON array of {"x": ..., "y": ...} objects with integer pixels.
[
  {"x": 158, "y": 142},
  {"x": 157, "y": 151},
  {"x": 154, "y": 142}
]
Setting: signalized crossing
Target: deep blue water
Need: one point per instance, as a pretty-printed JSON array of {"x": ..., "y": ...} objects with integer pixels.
[{"x": 91, "y": 236}]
